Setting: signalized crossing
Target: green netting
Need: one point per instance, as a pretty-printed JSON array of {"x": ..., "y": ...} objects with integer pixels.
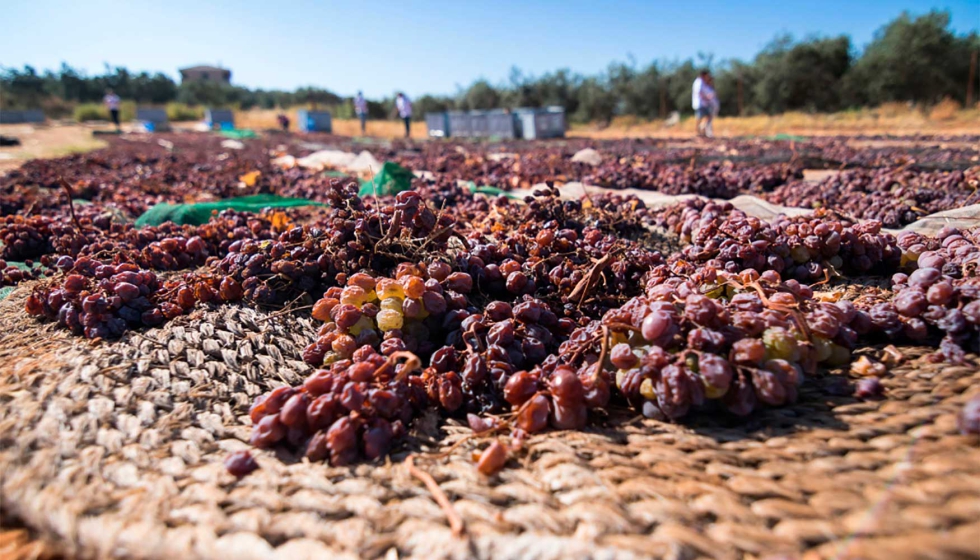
[
  {"x": 239, "y": 134},
  {"x": 200, "y": 213},
  {"x": 391, "y": 180},
  {"x": 786, "y": 137},
  {"x": 5, "y": 291},
  {"x": 490, "y": 191}
]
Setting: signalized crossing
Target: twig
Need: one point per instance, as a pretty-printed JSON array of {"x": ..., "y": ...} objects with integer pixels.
[
  {"x": 582, "y": 288},
  {"x": 455, "y": 522},
  {"x": 602, "y": 353},
  {"x": 442, "y": 455},
  {"x": 412, "y": 363},
  {"x": 396, "y": 224},
  {"x": 71, "y": 203}
]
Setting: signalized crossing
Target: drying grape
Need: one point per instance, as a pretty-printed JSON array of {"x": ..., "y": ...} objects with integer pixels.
[
  {"x": 492, "y": 459},
  {"x": 240, "y": 463}
]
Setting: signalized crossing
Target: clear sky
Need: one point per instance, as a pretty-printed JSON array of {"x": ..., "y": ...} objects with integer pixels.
[{"x": 420, "y": 46}]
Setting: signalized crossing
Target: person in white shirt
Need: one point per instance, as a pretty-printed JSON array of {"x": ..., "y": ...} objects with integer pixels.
[
  {"x": 111, "y": 101},
  {"x": 703, "y": 102},
  {"x": 360, "y": 108},
  {"x": 404, "y": 107}
]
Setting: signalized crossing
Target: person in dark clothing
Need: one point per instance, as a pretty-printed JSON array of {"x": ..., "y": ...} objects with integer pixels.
[
  {"x": 283, "y": 122},
  {"x": 361, "y": 108},
  {"x": 404, "y": 107},
  {"x": 111, "y": 101}
]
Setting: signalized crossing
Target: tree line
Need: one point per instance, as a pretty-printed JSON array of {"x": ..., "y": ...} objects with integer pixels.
[{"x": 910, "y": 59}]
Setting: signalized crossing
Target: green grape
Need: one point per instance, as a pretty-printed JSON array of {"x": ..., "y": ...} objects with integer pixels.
[
  {"x": 392, "y": 303},
  {"x": 620, "y": 378},
  {"x": 646, "y": 389},
  {"x": 800, "y": 254},
  {"x": 715, "y": 292},
  {"x": 389, "y": 319},
  {"x": 824, "y": 348},
  {"x": 780, "y": 345},
  {"x": 364, "y": 322},
  {"x": 839, "y": 355}
]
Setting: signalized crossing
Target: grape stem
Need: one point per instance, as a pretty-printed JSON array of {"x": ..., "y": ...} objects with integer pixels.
[
  {"x": 71, "y": 203},
  {"x": 602, "y": 353},
  {"x": 455, "y": 522},
  {"x": 792, "y": 311},
  {"x": 581, "y": 289},
  {"x": 412, "y": 363},
  {"x": 499, "y": 427}
]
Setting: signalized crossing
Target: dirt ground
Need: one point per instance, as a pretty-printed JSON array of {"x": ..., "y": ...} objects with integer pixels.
[{"x": 46, "y": 140}]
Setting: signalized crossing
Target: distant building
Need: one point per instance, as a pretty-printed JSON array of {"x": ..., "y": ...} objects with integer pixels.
[{"x": 205, "y": 74}]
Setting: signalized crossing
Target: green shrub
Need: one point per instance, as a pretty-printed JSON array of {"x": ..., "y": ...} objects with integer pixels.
[
  {"x": 91, "y": 112},
  {"x": 57, "y": 108},
  {"x": 127, "y": 111},
  {"x": 98, "y": 112},
  {"x": 177, "y": 112}
]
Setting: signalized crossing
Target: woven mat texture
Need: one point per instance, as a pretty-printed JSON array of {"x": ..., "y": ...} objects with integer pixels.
[{"x": 116, "y": 450}]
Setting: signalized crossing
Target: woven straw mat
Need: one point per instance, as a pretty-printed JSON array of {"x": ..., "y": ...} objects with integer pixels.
[{"x": 116, "y": 450}]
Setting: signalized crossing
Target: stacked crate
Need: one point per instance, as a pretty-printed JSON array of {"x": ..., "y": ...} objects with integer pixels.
[
  {"x": 498, "y": 123},
  {"x": 314, "y": 121}
]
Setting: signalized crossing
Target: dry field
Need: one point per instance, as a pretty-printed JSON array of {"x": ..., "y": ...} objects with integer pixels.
[
  {"x": 893, "y": 119},
  {"x": 266, "y": 118}
]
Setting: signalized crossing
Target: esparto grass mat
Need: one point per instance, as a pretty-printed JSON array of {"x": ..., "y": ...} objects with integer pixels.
[{"x": 116, "y": 450}]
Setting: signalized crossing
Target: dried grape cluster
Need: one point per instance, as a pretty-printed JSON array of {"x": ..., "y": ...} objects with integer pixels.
[
  {"x": 101, "y": 300},
  {"x": 893, "y": 196},
  {"x": 713, "y": 179},
  {"x": 805, "y": 248},
  {"x": 939, "y": 293}
]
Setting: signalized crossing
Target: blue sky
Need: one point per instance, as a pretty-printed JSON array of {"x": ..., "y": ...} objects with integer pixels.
[{"x": 420, "y": 47}]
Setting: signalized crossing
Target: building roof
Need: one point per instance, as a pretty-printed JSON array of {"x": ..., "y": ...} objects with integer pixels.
[{"x": 204, "y": 67}]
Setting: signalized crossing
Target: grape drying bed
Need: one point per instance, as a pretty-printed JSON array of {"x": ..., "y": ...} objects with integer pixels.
[{"x": 120, "y": 448}]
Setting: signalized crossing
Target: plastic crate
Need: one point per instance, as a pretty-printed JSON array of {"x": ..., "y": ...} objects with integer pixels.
[
  {"x": 541, "y": 123},
  {"x": 18, "y": 117},
  {"x": 460, "y": 124},
  {"x": 222, "y": 119},
  {"x": 479, "y": 124},
  {"x": 501, "y": 124},
  {"x": 437, "y": 124},
  {"x": 314, "y": 121},
  {"x": 153, "y": 119}
]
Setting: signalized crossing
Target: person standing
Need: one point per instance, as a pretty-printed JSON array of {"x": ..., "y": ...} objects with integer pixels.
[
  {"x": 360, "y": 107},
  {"x": 701, "y": 101},
  {"x": 404, "y": 107},
  {"x": 283, "y": 122},
  {"x": 111, "y": 101}
]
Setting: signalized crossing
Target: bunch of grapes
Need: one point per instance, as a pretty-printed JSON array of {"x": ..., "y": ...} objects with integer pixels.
[
  {"x": 101, "y": 300},
  {"x": 894, "y": 196},
  {"x": 940, "y": 293},
  {"x": 803, "y": 248},
  {"x": 736, "y": 340},
  {"x": 390, "y": 314},
  {"x": 355, "y": 408},
  {"x": 713, "y": 179},
  {"x": 25, "y": 237},
  {"x": 11, "y": 275}
]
